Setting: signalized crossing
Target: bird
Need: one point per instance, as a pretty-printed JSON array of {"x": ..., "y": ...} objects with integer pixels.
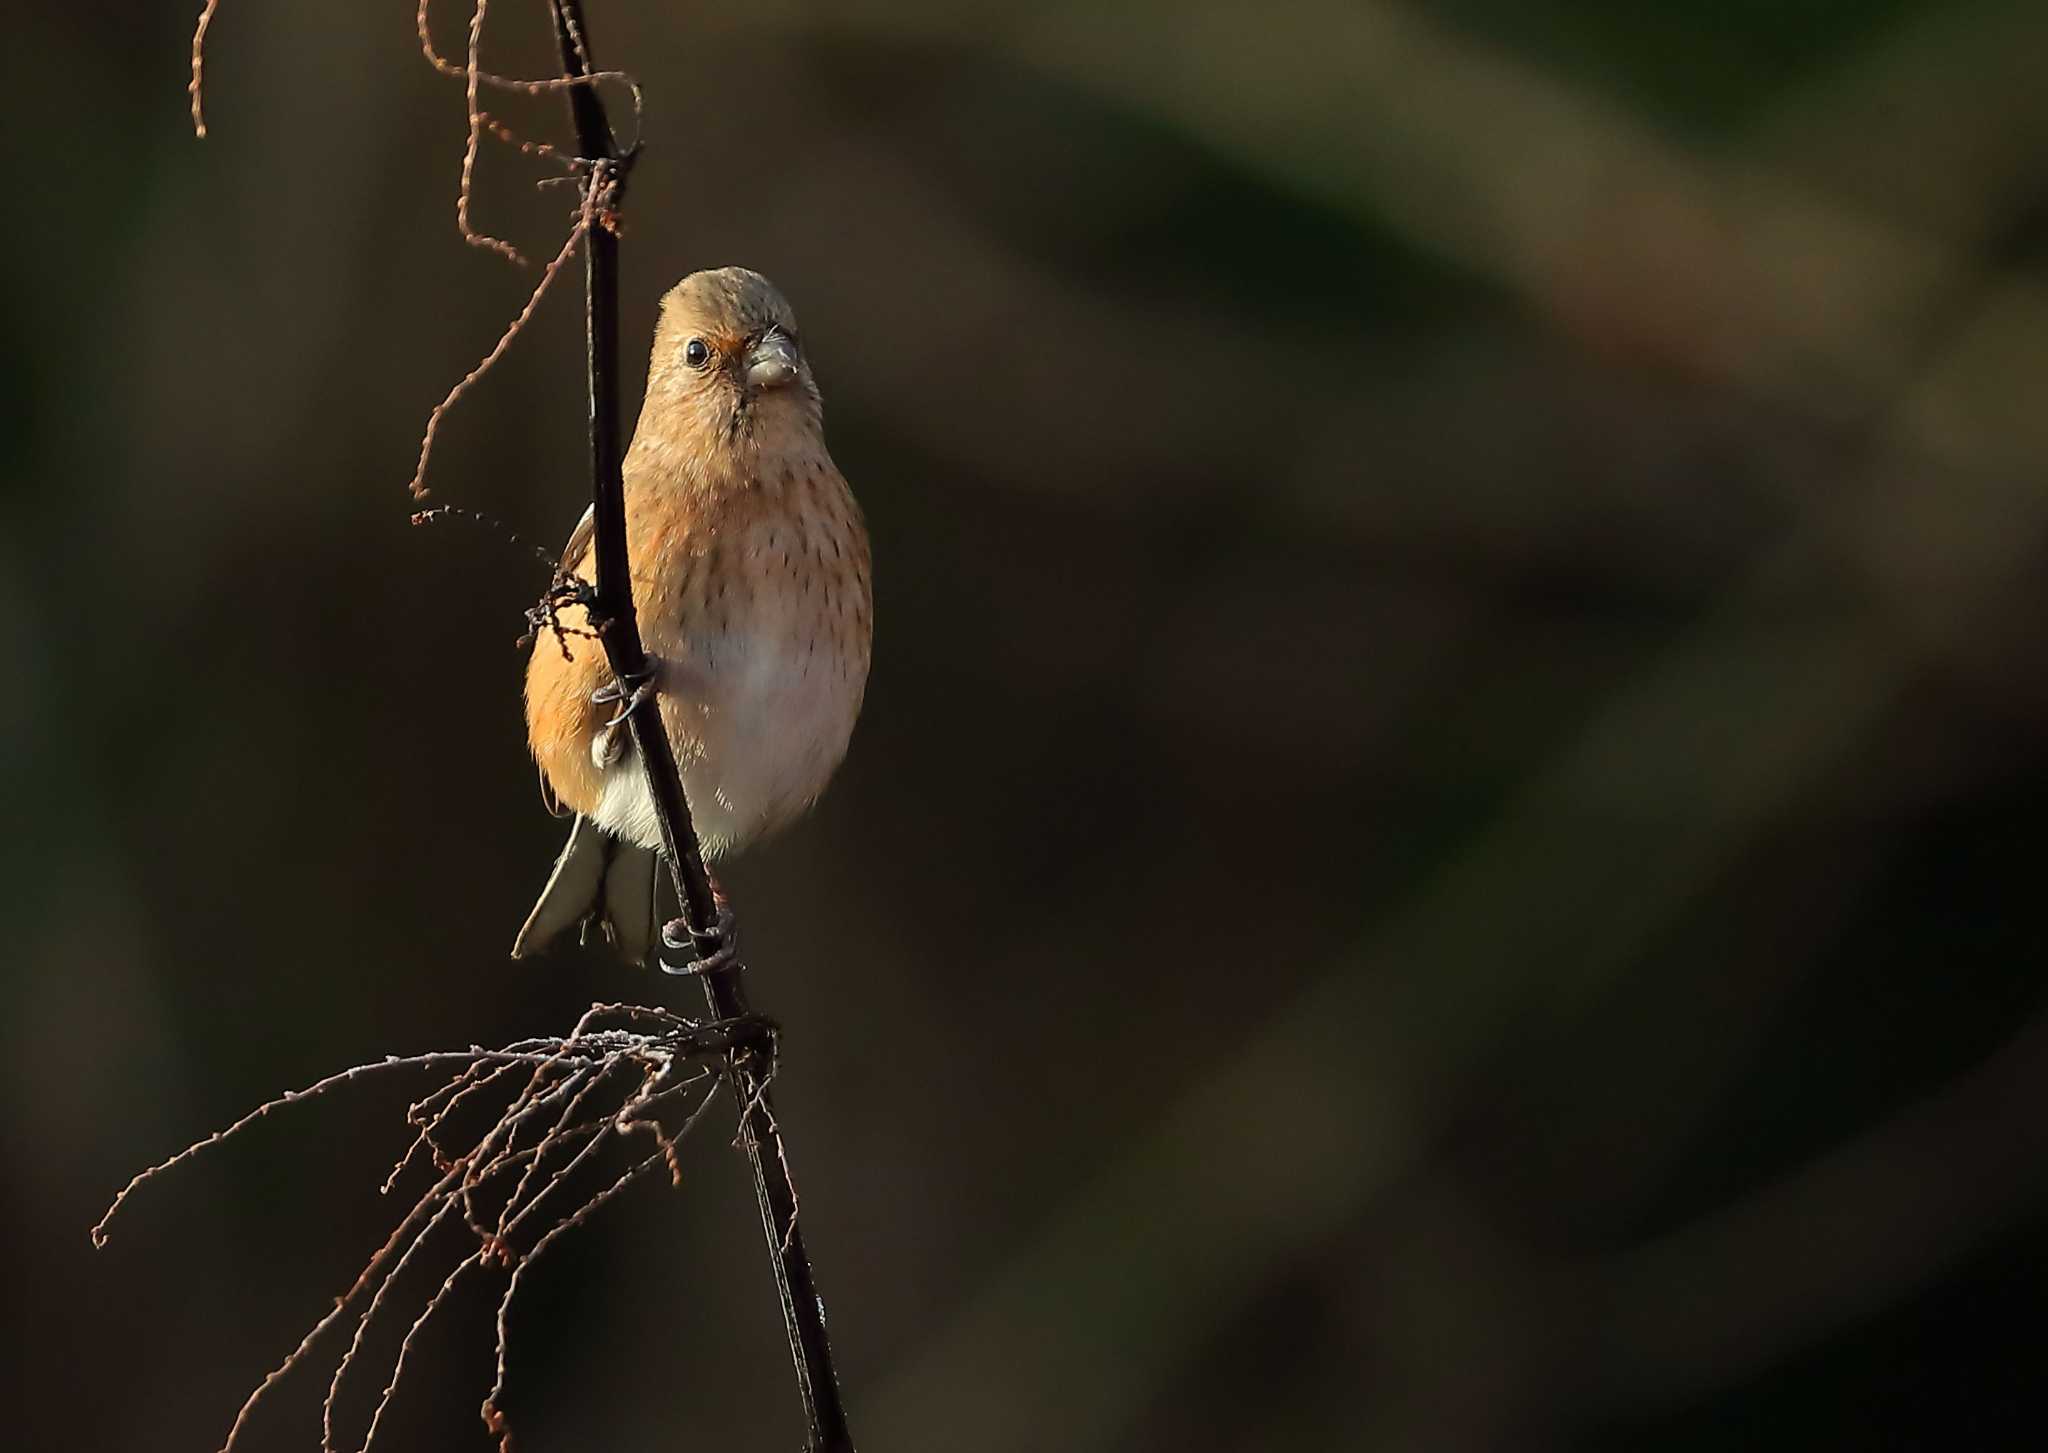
[{"x": 750, "y": 568}]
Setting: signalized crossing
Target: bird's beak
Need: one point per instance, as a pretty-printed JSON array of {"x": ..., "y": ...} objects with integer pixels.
[{"x": 771, "y": 362}]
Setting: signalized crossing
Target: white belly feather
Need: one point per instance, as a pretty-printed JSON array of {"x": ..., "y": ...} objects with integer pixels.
[{"x": 759, "y": 713}]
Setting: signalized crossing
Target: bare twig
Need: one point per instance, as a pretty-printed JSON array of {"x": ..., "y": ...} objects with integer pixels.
[
  {"x": 566, "y": 1074},
  {"x": 341, "y": 1304},
  {"x": 468, "y": 1083},
  {"x": 465, "y": 1058},
  {"x": 563, "y": 1086},
  {"x": 612, "y": 613},
  {"x": 198, "y": 82},
  {"x": 493, "y": 1414},
  {"x": 583, "y": 222},
  {"x": 363, "y": 1326},
  {"x": 531, "y": 86},
  {"x": 472, "y": 75}
]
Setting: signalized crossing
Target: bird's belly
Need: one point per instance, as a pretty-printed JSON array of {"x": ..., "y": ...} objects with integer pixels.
[{"x": 759, "y": 722}]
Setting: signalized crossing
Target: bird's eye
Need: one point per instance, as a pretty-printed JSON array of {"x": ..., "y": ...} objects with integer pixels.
[{"x": 696, "y": 354}]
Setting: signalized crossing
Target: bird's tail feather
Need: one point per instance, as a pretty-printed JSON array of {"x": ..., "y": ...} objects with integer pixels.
[{"x": 601, "y": 881}]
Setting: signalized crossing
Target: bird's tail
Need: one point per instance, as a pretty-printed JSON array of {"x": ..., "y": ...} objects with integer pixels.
[{"x": 598, "y": 882}]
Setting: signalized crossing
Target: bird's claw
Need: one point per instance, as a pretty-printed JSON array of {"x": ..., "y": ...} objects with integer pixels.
[
  {"x": 633, "y": 689},
  {"x": 641, "y": 693},
  {"x": 716, "y": 949}
]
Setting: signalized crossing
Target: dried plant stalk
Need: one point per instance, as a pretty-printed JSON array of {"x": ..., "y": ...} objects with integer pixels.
[
  {"x": 655, "y": 1059},
  {"x": 572, "y": 1076}
]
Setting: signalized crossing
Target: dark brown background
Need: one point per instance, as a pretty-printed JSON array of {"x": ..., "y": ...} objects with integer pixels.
[{"x": 1445, "y": 848}]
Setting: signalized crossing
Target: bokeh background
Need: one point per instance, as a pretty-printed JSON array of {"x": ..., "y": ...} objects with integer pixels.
[{"x": 1446, "y": 846}]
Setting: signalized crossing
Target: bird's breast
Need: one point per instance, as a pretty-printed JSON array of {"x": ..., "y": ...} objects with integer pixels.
[{"x": 761, "y": 620}]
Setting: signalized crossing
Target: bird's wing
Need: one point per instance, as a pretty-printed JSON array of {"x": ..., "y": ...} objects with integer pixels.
[
  {"x": 572, "y": 555},
  {"x": 580, "y": 538}
]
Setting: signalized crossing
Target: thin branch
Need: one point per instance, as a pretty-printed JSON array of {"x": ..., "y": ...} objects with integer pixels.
[
  {"x": 472, "y": 75},
  {"x": 583, "y": 222},
  {"x": 468, "y": 1263},
  {"x": 198, "y": 82},
  {"x": 493, "y": 1414},
  {"x": 341, "y": 1304},
  {"x": 363, "y": 1326},
  {"x": 293, "y": 1097},
  {"x": 531, "y": 86},
  {"x": 562, "y": 1089},
  {"x": 567, "y": 1071},
  {"x": 618, "y": 630},
  {"x": 559, "y": 1129},
  {"x": 464, "y": 1085}
]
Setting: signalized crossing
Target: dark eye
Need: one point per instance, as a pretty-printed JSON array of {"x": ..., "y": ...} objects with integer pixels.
[{"x": 696, "y": 354}]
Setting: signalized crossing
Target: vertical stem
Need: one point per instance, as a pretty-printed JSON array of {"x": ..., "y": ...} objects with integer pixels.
[{"x": 803, "y": 1310}]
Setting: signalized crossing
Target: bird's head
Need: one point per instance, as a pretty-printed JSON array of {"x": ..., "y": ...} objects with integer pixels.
[{"x": 728, "y": 360}]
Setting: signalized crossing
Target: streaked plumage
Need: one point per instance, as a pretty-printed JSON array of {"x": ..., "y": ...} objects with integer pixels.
[{"x": 750, "y": 576}]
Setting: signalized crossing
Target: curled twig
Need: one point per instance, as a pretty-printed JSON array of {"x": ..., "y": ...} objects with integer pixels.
[
  {"x": 568, "y": 1071},
  {"x": 584, "y": 219},
  {"x": 472, "y": 74},
  {"x": 526, "y": 85},
  {"x": 598, "y": 207}
]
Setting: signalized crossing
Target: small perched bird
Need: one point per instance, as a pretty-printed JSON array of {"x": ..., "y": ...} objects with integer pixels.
[{"x": 750, "y": 578}]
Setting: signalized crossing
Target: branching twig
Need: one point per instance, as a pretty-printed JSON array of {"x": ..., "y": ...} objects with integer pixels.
[
  {"x": 567, "y": 1076},
  {"x": 618, "y": 630},
  {"x": 564, "y": 1082},
  {"x": 583, "y": 222},
  {"x": 472, "y": 75}
]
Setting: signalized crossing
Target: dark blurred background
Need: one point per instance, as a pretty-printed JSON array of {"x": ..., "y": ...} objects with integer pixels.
[{"x": 1445, "y": 849}]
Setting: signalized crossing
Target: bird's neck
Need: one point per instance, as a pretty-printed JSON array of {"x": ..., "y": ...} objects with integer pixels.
[{"x": 754, "y": 451}]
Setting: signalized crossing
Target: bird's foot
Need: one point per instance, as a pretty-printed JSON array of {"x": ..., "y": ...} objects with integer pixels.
[
  {"x": 632, "y": 689},
  {"x": 608, "y": 744},
  {"x": 714, "y": 950}
]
